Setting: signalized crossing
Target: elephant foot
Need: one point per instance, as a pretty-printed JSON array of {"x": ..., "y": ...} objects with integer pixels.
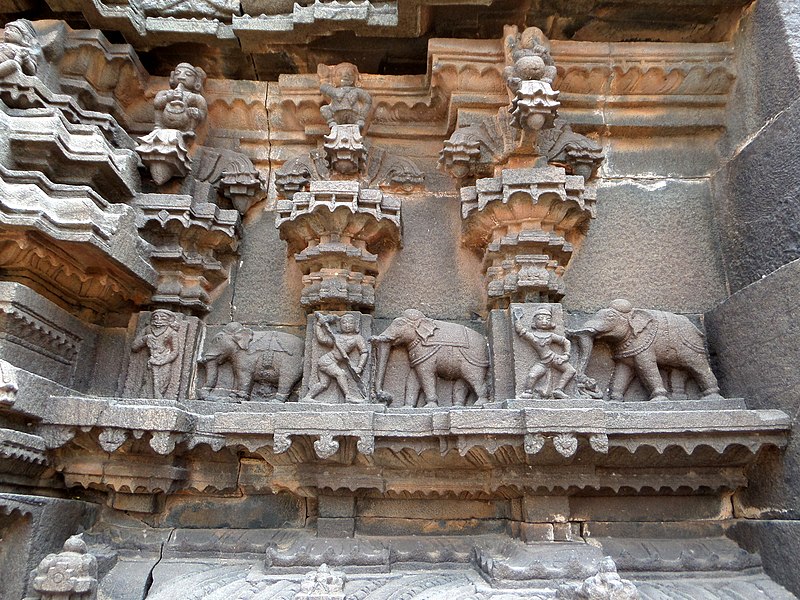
[
  {"x": 355, "y": 400},
  {"x": 280, "y": 398},
  {"x": 660, "y": 398},
  {"x": 431, "y": 405},
  {"x": 480, "y": 402},
  {"x": 526, "y": 395},
  {"x": 560, "y": 395},
  {"x": 712, "y": 394}
]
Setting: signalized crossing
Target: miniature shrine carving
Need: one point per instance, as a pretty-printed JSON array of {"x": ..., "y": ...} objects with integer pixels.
[
  {"x": 178, "y": 113},
  {"x": 272, "y": 357},
  {"x": 69, "y": 575},
  {"x": 643, "y": 341},
  {"x": 552, "y": 357},
  {"x": 345, "y": 356},
  {"x": 322, "y": 584},
  {"x": 435, "y": 349}
]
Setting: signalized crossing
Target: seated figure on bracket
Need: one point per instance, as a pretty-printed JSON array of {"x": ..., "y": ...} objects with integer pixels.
[
  {"x": 552, "y": 354},
  {"x": 349, "y": 105},
  {"x": 19, "y": 49}
]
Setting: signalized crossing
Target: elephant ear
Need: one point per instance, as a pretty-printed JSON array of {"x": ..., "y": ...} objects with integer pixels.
[
  {"x": 425, "y": 328},
  {"x": 639, "y": 320},
  {"x": 243, "y": 337}
]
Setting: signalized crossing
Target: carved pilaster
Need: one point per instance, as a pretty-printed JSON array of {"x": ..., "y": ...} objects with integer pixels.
[
  {"x": 336, "y": 232},
  {"x": 526, "y": 224}
]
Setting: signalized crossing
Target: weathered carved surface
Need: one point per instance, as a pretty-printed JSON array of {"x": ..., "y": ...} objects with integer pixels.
[{"x": 235, "y": 459}]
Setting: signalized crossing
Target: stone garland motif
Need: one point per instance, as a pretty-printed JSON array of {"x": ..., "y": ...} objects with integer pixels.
[
  {"x": 341, "y": 338},
  {"x": 179, "y": 111},
  {"x": 272, "y": 357},
  {"x": 162, "y": 340},
  {"x": 20, "y": 50},
  {"x": 643, "y": 341},
  {"x": 69, "y": 575},
  {"x": 435, "y": 349},
  {"x": 552, "y": 357}
]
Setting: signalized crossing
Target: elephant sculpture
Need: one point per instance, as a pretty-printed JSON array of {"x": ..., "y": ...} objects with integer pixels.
[
  {"x": 435, "y": 349},
  {"x": 644, "y": 340},
  {"x": 265, "y": 356}
]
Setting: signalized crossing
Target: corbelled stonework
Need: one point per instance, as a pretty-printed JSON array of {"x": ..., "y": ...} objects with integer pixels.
[{"x": 327, "y": 300}]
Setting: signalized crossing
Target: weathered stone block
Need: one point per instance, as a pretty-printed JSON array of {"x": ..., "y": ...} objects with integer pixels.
[{"x": 335, "y": 527}]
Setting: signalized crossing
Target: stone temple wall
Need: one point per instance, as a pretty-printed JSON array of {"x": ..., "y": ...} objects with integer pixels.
[{"x": 370, "y": 300}]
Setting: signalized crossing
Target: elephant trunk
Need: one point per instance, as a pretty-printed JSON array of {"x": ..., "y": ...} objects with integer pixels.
[
  {"x": 584, "y": 341},
  {"x": 382, "y": 349}
]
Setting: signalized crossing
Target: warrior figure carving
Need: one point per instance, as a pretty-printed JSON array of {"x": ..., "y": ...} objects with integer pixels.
[
  {"x": 552, "y": 351},
  {"x": 162, "y": 342},
  {"x": 336, "y": 365}
]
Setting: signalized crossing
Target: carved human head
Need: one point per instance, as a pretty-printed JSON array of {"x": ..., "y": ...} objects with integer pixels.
[
  {"x": 21, "y": 32},
  {"x": 543, "y": 319},
  {"x": 346, "y": 75},
  {"x": 348, "y": 323},
  {"x": 161, "y": 318},
  {"x": 190, "y": 76}
]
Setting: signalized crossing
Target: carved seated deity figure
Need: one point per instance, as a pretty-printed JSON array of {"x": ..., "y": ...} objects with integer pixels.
[
  {"x": 20, "y": 49},
  {"x": 322, "y": 584},
  {"x": 69, "y": 575},
  {"x": 162, "y": 340},
  {"x": 336, "y": 364},
  {"x": 644, "y": 342},
  {"x": 179, "y": 111},
  {"x": 552, "y": 356},
  {"x": 349, "y": 105}
]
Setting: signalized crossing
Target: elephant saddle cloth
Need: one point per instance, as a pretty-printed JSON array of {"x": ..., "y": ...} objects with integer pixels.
[
  {"x": 447, "y": 334},
  {"x": 673, "y": 330}
]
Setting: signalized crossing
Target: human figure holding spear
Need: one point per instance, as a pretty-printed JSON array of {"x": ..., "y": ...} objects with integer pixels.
[{"x": 335, "y": 365}]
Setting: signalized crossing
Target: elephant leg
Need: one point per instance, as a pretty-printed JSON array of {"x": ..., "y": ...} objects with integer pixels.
[
  {"x": 460, "y": 392},
  {"x": 412, "y": 389},
  {"x": 242, "y": 382},
  {"x": 285, "y": 384},
  {"x": 620, "y": 380},
  {"x": 428, "y": 382},
  {"x": 647, "y": 370},
  {"x": 477, "y": 381},
  {"x": 705, "y": 378},
  {"x": 677, "y": 383}
]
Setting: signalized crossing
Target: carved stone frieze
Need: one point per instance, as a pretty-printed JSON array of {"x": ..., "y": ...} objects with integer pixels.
[
  {"x": 163, "y": 353},
  {"x": 337, "y": 358},
  {"x": 434, "y": 350},
  {"x": 335, "y": 231}
]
